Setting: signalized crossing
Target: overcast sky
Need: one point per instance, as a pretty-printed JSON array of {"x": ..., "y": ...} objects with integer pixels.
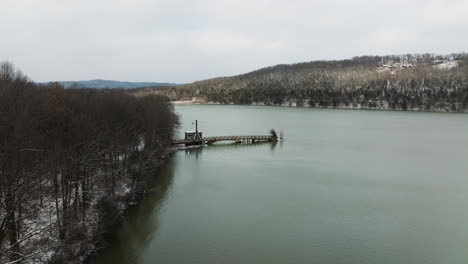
[{"x": 183, "y": 41}]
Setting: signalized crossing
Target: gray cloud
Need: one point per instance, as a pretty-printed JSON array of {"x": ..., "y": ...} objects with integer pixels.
[{"x": 182, "y": 41}]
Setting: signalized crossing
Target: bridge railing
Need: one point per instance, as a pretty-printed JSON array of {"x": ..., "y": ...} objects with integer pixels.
[{"x": 221, "y": 138}]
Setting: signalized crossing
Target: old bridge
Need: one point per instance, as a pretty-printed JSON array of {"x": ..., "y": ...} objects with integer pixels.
[
  {"x": 211, "y": 140},
  {"x": 196, "y": 138}
]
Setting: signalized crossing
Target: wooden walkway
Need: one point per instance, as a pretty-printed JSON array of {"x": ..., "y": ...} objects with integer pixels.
[{"x": 237, "y": 139}]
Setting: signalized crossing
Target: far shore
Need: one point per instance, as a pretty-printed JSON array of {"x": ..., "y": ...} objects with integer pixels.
[
  {"x": 201, "y": 102},
  {"x": 188, "y": 102}
]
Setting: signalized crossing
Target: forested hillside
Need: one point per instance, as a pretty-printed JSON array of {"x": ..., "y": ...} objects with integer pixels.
[
  {"x": 423, "y": 82},
  {"x": 71, "y": 160},
  {"x": 107, "y": 84}
]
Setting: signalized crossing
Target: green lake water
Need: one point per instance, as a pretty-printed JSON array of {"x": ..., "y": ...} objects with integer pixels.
[{"x": 345, "y": 186}]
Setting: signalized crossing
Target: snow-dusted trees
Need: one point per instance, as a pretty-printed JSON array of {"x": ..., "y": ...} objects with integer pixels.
[
  {"x": 408, "y": 82},
  {"x": 64, "y": 152}
]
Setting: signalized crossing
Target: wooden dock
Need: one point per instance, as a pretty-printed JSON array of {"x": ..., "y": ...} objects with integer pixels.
[
  {"x": 196, "y": 138},
  {"x": 236, "y": 139}
]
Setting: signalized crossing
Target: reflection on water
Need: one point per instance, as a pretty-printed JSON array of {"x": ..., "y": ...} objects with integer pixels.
[
  {"x": 138, "y": 229},
  {"x": 346, "y": 187},
  {"x": 198, "y": 151}
]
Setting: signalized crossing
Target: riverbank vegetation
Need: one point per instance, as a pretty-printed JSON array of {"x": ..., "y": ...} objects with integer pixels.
[
  {"x": 421, "y": 82},
  {"x": 71, "y": 160}
]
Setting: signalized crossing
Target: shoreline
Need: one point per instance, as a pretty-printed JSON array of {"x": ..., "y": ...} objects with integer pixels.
[
  {"x": 198, "y": 102},
  {"x": 105, "y": 240}
]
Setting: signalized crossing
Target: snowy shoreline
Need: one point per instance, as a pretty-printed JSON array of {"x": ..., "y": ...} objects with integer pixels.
[
  {"x": 343, "y": 107},
  {"x": 133, "y": 201}
]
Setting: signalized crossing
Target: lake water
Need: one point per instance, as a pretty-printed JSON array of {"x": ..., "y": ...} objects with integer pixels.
[{"x": 345, "y": 186}]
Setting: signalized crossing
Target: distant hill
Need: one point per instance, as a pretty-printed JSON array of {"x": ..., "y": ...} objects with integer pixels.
[
  {"x": 104, "y": 84},
  {"x": 419, "y": 82}
]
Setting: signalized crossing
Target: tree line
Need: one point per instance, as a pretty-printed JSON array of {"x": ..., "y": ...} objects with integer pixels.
[
  {"x": 70, "y": 161},
  {"x": 371, "y": 82}
]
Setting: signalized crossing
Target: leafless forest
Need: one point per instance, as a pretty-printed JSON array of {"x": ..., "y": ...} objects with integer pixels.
[
  {"x": 71, "y": 160},
  {"x": 420, "y": 82}
]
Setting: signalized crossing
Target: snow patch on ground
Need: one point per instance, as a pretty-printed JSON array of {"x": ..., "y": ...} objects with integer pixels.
[
  {"x": 39, "y": 238},
  {"x": 447, "y": 65}
]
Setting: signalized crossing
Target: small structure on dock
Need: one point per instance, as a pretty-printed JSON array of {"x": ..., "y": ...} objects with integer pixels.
[{"x": 196, "y": 138}]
